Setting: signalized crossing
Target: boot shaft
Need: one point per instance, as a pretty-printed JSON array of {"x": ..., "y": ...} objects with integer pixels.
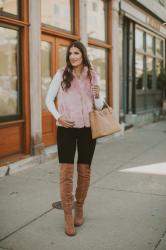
[
  {"x": 66, "y": 186},
  {"x": 83, "y": 182}
]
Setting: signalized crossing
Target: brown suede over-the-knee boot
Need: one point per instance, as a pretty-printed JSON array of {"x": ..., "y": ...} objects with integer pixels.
[
  {"x": 66, "y": 188},
  {"x": 83, "y": 182}
]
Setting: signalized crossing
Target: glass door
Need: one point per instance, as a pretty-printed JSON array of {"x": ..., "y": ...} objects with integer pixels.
[{"x": 53, "y": 51}]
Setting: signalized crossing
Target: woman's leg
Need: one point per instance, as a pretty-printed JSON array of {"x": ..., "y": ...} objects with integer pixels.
[
  {"x": 86, "y": 147},
  {"x": 83, "y": 182},
  {"x": 66, "y": 189},
  {"x": 66, "y": 142}
]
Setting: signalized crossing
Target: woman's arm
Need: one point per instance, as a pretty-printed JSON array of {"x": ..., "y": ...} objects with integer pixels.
[
  {"x": 96, "y": 91},
  {"x": 99, "y": 103},
  {"x": 52, "y": 93}
]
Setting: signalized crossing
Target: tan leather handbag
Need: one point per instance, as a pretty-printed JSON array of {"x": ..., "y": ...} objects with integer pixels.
[{"x": 103, "y": 122}]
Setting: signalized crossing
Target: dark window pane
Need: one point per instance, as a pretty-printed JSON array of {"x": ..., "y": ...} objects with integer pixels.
[
  {"x": 57, "y": 13},
  {"x": 159, "y": 69},
  {"x": 9, "y": 96}
]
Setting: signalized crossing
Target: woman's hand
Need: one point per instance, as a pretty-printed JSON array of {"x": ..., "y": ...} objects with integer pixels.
[
  {"x": 65, "y": 123},
  {"x": 95, "y": 91}
]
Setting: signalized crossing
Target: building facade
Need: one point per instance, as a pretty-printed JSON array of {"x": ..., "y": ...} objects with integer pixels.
[
  {"x": 34, "y": 36},
  {"x": 143, "y": 35},
  {"x": 126, "y": 44}
]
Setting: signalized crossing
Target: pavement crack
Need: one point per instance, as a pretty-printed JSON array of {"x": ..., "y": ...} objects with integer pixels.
[
  {"x": 129, "y": 191},
  {"x": 160, "y": 240},
  {"x": 25, "y": 225}
]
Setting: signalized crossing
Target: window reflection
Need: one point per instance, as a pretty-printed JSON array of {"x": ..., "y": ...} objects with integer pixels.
[
  {"x": 45, "y": 70},
  {"x": 62, "y": 55},
  {"x": 9, "y": 6},
  {"x": 149, "y": 64},
  {"x": 159, "y": 69},
  {"x": 8, "y": 72},
  {"x": 139, "y": 71},
  {"x": 57, "y": 13},
  {"x": 98, "y": 58},
  {"x": 139, "y": 39},
  {"x": 159, "y": 66},
  {"x": 96, "y": 16},
  {"x": 149, "y": 44},
  {"x": 159, "y": 47}
]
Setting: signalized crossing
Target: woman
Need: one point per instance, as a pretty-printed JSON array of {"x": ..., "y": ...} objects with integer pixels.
[{"x": 77, "y": 91}]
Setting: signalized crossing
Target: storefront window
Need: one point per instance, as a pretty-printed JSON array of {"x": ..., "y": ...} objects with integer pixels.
[
  {"x": 9, "y": 77},
  {"x": 45, "y": 70},
  {"x": 57, "y": 14},
  {"x": 9, "y": 6},
  {"x": 96, "y": 19},
  {"x": 98, "y": 58},
  {"x": 148, "y": 58}
]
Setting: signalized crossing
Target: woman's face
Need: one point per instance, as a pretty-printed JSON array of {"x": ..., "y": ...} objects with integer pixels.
[{"x": 75, "y": 57}]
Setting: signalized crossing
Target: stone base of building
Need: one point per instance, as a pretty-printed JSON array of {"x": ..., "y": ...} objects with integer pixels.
[{"x": 143, "y": 118}]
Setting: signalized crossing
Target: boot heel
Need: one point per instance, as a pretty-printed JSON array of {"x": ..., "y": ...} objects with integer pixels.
[
  {"x": 78, "y": 218},
  {"x": 69, "y": 225}
]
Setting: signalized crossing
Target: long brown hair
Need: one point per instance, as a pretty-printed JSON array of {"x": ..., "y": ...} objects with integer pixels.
[{"x": 67, "y": 74}]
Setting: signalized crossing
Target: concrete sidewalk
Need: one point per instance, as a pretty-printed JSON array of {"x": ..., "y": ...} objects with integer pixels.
[{"x": 125, "y": 208}]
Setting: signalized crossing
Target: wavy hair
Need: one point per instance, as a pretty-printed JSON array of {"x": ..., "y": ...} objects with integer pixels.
[{"x": 67, "y": 74}]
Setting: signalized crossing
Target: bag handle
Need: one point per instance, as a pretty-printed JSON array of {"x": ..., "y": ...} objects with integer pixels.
[
  {"x": 108, "y": 107},
  {"x": 105, "y": 103}
]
